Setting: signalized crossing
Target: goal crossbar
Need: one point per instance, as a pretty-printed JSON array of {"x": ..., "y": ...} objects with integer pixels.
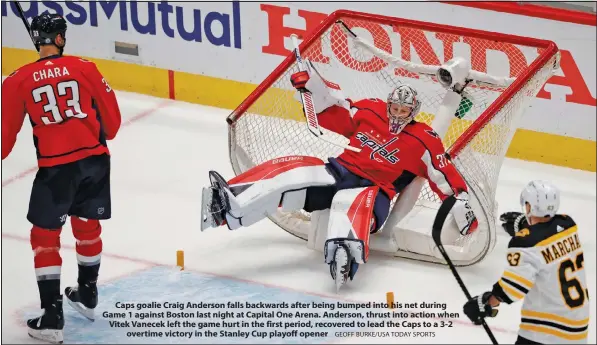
[
  {"x": 476, "y": 121},
  {"x": 549, "y": 49}
]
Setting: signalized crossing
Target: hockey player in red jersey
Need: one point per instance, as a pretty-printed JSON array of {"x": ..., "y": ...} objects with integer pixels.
[
  {"x": 73, "y": 111},
  {"x": 357, "y": 187}
]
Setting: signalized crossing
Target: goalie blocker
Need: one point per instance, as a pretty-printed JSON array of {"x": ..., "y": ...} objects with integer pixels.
[{"x": 356, "y": 187}]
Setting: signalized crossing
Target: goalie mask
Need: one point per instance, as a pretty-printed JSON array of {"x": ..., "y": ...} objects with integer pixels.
[{"x": 403, "y": 106}]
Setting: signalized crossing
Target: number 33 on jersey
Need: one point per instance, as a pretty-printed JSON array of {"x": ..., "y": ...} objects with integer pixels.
[
  {"x": 545, "y": 266},
  {"x": 71, "y": 107}
]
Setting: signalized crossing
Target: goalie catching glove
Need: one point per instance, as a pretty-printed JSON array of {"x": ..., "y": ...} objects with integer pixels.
[{"x": 463, "y": 215}]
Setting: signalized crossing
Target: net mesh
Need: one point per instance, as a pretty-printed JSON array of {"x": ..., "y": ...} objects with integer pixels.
[{"x": 274, "y": 124}]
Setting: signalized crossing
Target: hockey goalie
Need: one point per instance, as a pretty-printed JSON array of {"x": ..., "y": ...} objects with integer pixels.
[{"x": 356, "y": 187}]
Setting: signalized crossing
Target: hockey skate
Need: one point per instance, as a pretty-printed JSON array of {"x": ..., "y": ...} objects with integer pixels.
[
  {"x": 343, "y": 266},
  {"x": 49, "y": 326},
  {"x": 83, "y": 298},
  {"x": 214, "y": 202}
]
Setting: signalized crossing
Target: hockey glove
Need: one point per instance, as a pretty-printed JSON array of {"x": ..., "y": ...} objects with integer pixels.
[
  {"x": 464, "y": 216},
  {"x": 299, "y": 80},
  {"x": 513, "y": 221},
  {"x": 478, "y": 308}
]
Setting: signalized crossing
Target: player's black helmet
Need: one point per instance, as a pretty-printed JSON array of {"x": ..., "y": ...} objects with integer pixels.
[{"x": 45, "y": 28}]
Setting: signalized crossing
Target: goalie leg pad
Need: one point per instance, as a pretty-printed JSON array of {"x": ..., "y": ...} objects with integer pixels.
[
  {"x": 293, "y": 200},
  {"x": 259, "y": 191},
  {"x": 381, "y": 209},
  {"x": 233, "y": 223},
  {"x": 351, "y": 219}
]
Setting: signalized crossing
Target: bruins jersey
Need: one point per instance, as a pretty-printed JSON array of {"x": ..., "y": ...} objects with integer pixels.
[{"x": 545, "y": 267}]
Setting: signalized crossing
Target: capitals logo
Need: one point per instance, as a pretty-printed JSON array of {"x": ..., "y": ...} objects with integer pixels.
[{"x": 377, "y": 148}]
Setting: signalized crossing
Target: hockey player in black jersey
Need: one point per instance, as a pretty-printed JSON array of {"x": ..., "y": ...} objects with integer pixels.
[{"x": 545, "y": 267}]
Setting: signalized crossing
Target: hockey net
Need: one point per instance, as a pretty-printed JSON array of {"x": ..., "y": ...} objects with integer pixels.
[{"x": 270, "y": 122}]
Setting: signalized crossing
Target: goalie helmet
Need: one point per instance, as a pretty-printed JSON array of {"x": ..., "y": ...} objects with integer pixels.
[
  {"x": 404, "y": 96},
  {"x": 46, "y": 27},
  {"x": 542, "y": 197}
]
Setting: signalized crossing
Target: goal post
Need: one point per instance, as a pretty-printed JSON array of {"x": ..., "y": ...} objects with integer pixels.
[{"x": 368, "y": 55}]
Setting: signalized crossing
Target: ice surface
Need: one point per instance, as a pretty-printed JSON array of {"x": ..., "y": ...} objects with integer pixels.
[{"x": 160, "y": 162}]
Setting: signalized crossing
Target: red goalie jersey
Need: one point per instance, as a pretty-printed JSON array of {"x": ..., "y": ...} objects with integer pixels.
[
  {"x": 71, "y": 108},
  {"x": 392, "y": 161}
]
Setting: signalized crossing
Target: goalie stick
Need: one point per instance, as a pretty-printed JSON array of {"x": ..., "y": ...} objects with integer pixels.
[
  {"x": 309, "y": 106},
  {"x": 436, "y": 232}
]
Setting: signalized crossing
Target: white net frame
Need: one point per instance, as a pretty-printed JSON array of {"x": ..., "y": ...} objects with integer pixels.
[{"x": 270, "y": 124}]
